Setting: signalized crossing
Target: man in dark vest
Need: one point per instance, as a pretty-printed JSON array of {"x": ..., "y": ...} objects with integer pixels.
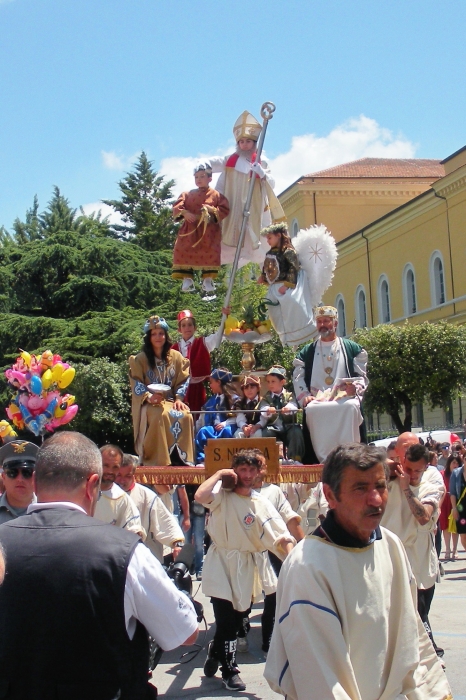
[
  {"x": 79, "y": 596},
  {"x": 330, "y": 379}
]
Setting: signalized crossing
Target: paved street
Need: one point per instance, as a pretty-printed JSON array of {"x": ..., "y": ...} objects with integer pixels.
[{"x": 448, "y": 619}]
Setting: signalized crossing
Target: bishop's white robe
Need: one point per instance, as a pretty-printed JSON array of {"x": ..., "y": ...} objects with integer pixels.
[
  {"x": 331, "y": 423},
  {"x": 265, "y": 208},
  {"x": 346, "y": 626}
]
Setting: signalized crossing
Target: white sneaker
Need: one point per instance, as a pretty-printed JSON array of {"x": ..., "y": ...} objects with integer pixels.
[
  {"x": 208, "y": 284},
  {"x": 188, "y": 285}
]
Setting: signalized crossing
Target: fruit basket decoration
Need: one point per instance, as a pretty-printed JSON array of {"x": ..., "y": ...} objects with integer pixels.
[{"x": 254, "y": 328}]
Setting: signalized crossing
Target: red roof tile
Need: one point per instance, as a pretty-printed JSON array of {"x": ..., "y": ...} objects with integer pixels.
[{"x": 386, "y": 167}]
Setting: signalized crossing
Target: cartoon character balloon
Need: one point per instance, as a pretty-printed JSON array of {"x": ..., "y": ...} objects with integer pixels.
[{"x": 38, "y": 403}]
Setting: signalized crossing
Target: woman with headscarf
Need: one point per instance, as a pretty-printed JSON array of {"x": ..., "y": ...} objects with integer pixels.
[{"x": 159, "y": 377}]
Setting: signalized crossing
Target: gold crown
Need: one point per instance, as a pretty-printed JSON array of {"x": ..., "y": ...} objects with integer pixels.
[{"x": 246, "y": 127}]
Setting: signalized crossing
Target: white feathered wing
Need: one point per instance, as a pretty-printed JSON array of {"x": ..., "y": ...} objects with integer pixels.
[{"x": 317, "y": 253}]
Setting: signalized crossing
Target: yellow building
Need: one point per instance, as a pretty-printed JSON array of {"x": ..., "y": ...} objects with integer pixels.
[
  {"x": 408, "y": 264},
  {"x": 347, "y": 197}
]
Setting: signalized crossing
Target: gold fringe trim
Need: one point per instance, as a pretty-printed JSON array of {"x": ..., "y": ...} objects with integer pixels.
[
  {"x": 203, "y": 220},
  {"x": 306, "y": 474},
  {"x": 196, "y": 475}
]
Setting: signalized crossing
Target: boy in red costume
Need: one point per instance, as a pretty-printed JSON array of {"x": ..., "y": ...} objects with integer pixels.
[
  {"x": 197, "y": 350},
  {"x": 197, "y": 245}
]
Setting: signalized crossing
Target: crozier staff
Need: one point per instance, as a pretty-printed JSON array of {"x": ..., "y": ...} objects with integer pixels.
[{"x": 234, "y": 183}]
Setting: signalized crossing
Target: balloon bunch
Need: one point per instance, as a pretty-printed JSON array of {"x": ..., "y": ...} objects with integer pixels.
[{"x": 38, "y": 404}]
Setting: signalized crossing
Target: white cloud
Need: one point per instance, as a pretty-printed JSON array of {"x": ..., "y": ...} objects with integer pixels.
[
  {"x": 114, "y": 217},
  {"x": 359, "y": 137},
  {"x": 112, "y": 161},
  {"x": 181, "y": 170}
]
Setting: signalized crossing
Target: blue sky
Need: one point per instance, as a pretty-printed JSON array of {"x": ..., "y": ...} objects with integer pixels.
[{"x": 85, "y": 86}]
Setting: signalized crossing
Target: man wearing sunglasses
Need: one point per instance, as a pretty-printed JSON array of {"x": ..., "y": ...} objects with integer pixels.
[{"x": 18, "y": 461}]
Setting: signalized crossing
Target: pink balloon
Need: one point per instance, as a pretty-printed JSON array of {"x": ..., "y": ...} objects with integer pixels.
[{"x": 69, "y": 414}]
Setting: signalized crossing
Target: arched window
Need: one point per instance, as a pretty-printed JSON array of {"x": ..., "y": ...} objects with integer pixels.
[
  {"x": 409, "y": 291},
  {"x": 360, "y": 305},
  {"x": 384, "y": 300},
  {"x": 341, "y": 328},
  {"x": 294, "y": 228},
  {"x": 437, "y": 279}
]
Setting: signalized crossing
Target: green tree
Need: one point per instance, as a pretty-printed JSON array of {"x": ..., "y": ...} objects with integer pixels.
[
  {"x": 28, "y": 230},
  {"x": 101, "y": 390},
  {"x": 58, "y": 216},
  {"x": 145, "y": 206},
  {"x": 409, "y": 364},
  {"x": 71, "y": 272}
]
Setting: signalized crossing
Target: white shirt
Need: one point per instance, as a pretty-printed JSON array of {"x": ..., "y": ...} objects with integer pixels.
[
  {"x": 160, "y": 524},
  {"x": 210, "y": 341},
  {"x": 150, "y": 595},
  {"x": 115, "y": 507}
]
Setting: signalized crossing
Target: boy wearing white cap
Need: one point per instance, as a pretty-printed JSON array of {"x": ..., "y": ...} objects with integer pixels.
[{"x": 197, "y": 246}]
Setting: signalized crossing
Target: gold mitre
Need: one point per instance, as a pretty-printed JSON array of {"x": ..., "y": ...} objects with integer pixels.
[
  {"x": 246, "y": 127},
  {"x": 329, "y": 311}
]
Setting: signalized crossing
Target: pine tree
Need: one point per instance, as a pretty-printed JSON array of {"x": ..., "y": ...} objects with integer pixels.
[
  {"x": 145, "y": 208},
  {"x": 58, "y": 216},
  {"x": 29, "y": 230}
]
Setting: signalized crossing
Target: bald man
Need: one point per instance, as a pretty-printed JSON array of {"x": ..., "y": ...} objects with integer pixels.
[{"x": 404, "y": 441}]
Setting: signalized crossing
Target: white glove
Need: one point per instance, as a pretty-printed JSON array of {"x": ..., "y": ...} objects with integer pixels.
[{"x": 258, "y": 170}]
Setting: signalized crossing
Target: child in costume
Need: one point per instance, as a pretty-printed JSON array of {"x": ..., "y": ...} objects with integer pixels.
[
  {"x": 216, "y": 424},
  {"x": 297, "y": 278},
  {"x": 234, "y": 184},
  {"x": 197, "y": 350},
  {"x": 248, "y": 420},
  {"x": 278, "y": 414},
  {"x": 197, "y": 246}
]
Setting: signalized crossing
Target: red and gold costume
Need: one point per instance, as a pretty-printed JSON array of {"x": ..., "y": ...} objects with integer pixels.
[
  {"x": 197, "y": 246},
  {"x": 199, "y": 358}
]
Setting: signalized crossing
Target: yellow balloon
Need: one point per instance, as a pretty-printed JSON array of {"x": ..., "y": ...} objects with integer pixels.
[
  {"x": 26, "y": 357},
  {"x": 46, "y": 379},
  {"x": 57, "y": 371},
  {"x": 67, "y": 377}
]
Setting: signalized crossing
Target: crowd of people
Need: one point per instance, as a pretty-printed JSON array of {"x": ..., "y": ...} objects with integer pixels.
[
  {"x": 346, "y": 569},
  {"x": 328, "y": 560}
]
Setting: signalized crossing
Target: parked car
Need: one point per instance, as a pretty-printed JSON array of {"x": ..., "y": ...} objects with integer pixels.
[{"x": 437, "y": 435}]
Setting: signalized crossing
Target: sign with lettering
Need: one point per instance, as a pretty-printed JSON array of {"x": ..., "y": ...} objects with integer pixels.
[{"x": 220, "y": 452}]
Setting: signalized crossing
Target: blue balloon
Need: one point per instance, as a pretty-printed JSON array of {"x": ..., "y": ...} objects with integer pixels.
[{"x": 35, "y": 384}]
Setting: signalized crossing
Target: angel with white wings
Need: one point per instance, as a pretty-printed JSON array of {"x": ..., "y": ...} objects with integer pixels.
[{"x": 297, "y": 275}]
